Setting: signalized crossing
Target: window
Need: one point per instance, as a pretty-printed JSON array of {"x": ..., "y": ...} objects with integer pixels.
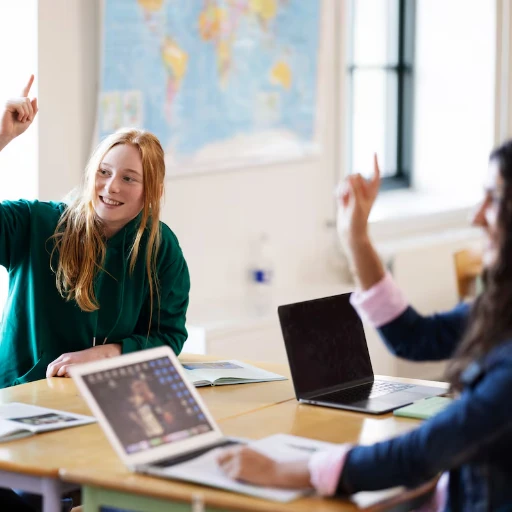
[{"x": 380, "y": 75}]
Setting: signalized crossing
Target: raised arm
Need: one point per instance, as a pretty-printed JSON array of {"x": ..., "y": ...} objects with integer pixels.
[
  {"x": 357, "y": 198},
  {"x": 378, "y": 300},
  {"x": 17, "y": 115}
]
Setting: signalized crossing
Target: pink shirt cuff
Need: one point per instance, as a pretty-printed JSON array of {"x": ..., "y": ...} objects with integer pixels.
[
  {"x": 325, "y": 468},
  {"x": 381, "y": 304}
]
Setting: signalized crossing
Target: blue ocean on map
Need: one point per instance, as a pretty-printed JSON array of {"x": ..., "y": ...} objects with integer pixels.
[{"x": 205, "y": 74}]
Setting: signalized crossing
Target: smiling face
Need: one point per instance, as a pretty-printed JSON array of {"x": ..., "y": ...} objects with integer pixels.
[
  {"x": 119, "y": 187},
  {"x": 486, "y": 215}
]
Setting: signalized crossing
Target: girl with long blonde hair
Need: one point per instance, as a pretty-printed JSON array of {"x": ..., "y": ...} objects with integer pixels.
[{"x": 95, "y": 277}]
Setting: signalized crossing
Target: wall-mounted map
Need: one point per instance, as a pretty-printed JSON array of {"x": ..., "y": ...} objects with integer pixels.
[{"x": 222, "y": 83}]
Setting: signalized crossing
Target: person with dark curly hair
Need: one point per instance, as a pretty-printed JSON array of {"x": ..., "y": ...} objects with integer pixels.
[{"x": 470, "y": 441}]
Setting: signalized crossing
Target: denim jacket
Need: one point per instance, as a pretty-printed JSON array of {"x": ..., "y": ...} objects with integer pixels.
[{"x": 472, "y": 438}]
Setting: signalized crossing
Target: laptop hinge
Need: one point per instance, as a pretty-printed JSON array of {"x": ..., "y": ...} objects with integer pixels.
[
  {"x": 339, "y": 387},
  {"x": 178, "y": 459}
]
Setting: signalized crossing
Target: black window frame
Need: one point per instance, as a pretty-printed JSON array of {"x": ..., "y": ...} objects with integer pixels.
[{"x": 404, "y": 70}]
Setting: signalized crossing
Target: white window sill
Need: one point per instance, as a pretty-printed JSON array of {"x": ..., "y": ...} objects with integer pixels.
[{"x": 407, "y": 213}]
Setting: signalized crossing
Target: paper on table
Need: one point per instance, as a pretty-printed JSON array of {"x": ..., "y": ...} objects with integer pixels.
[
  {"x": 10, "y": 431},
  {"x": 33, "y": 419}
]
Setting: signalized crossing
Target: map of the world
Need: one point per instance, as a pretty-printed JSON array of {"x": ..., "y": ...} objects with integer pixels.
[{"x": 222, "y": 83}]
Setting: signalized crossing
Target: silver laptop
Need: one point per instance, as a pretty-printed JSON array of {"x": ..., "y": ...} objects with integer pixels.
[
  {"x": 158, "y": 424},
  {"x": 330, "y": 363}
]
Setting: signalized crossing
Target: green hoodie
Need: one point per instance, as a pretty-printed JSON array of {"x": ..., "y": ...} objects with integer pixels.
[{"x": 38, "y": 325}]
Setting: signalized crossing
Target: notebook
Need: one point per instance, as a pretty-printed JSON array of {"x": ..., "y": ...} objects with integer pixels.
[
  {"x": 22, "y": 420},
  {"x": 219, "y": 373},
  {"x": 157, "y": 423},
  {"x": 424, "y": 409},
  {"x": 330, "y": 363}
]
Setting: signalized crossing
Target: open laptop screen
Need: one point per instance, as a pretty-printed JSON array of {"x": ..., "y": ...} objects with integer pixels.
[
  {"x": 147, "y": 404},
  {"x": 325, "y": 344}
]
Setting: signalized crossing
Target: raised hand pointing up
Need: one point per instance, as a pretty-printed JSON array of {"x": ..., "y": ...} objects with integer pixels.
[
  {"x": 17, "y": 115},
  {"x": 357, "y": 198}
]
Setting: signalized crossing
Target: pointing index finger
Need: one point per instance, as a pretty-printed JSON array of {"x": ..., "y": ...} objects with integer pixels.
[
  {"x": 376, "y": 168},
  {"x": 27, "y": 87}
]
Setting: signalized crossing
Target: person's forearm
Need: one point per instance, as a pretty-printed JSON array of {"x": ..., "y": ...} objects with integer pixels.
[
  {"x": 365, "y": 262},
  {"x": 3, "y": 142},
  {"x": 113, "y": 349}
]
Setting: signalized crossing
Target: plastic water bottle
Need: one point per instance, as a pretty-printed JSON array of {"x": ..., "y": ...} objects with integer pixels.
[{"x": 262, "y": 276}]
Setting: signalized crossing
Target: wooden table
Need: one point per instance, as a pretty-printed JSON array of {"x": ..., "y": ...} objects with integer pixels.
[
  {"x": 50, "y": 463},
  {"x": 115, "y": 486},
  {"x": 33, "y": 464}
]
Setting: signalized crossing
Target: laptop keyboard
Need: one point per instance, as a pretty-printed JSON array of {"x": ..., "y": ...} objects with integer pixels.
[
  {"x": 192, "y": 455},
  {"x": 365, "y": 391}
]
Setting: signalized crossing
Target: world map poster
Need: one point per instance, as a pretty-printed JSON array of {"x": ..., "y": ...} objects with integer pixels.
[{"x": 221, "y": 83}]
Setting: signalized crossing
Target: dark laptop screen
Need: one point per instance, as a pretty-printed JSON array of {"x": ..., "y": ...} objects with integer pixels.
[
  {"x": 147, "y": 404},
  {"x": 325, "y": 344}
]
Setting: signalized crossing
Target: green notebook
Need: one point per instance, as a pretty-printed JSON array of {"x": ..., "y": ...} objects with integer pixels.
[{"x": 424, "y": 409}]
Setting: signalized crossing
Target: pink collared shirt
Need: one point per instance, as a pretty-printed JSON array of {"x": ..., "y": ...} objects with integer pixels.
[
  {"x": 381, "y": 303},
  {"x": 376, "y": 306},
  {"x": 325, "y": 469}
]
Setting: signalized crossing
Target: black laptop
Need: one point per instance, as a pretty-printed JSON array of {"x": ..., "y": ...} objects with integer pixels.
[{"x": 330, "y": 363}]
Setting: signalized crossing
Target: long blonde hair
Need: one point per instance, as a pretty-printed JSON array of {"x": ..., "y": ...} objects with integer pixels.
[{"x": 79, "y": 238}]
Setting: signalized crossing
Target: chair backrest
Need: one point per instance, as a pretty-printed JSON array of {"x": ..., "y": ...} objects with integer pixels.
[{"x": 468, "y": 269}]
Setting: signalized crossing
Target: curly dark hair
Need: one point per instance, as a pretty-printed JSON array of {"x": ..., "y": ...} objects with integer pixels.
[{"x": 490, "y": 322}]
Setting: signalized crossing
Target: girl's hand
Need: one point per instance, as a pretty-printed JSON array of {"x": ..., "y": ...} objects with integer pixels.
[
  {"x": 357, "y": 198},
  {"x": 18, "y": 114},
  {"x": 243, "y": 463},
  {"x": 60, "y": 367}
]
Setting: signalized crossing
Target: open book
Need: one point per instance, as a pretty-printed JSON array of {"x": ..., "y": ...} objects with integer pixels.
[
  {"x": 218, "y": 373},
  {"x": 22, "y": 420}
]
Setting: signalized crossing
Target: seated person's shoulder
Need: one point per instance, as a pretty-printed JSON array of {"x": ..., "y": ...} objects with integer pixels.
[
  {"x": 34, "y": 209},
  {"x": 50, "y": 208},
  {"x": 52, "y": 205},
  {"x": 48, "y": 213},
  {"x": 169, "y": 246}
]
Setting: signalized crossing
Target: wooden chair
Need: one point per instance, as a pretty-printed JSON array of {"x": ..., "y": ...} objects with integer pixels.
[{"x": 468, "y": 269}]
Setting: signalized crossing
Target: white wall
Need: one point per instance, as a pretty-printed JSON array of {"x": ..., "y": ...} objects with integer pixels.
[
  {"x": 454, "y": 97},
  {"x": 503, "y": 117},
  {"x": 19, "y": 165},
  {"x": 67, "y": 49},
  {"x": 216, "y": 216},
  {"x": 18, "y": 162}
]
